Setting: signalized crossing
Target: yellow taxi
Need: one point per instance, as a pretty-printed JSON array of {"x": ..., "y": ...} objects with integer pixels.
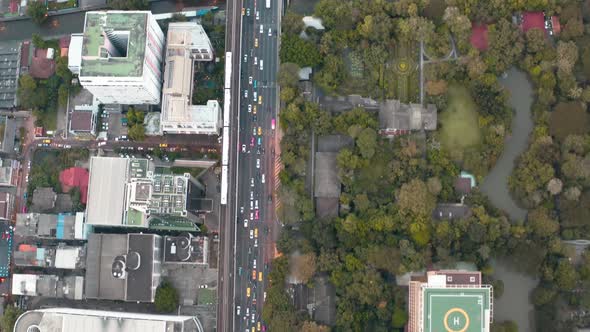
[
  {"x": 248, "y": 292},
  {"x": 259, "y": 276},
  {"x": 259, "y": 100},
  {"x": 255, "y": 42},
  {"x": 243, "y": 11},
  {"x": 253, "y": 329},
  {"x": 254, "y": 110},
  {"x": 163, "y": 145},
  {"x": 258, "y": 326},
  {"x": 47, "y": 141},
  {"x": 255, "y": 232},
  {"x": 259, "y": 130}
]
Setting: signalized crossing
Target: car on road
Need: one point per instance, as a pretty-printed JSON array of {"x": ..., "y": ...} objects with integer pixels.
[
  {"x": 257, "y": 15},
  {"x": 163, "y": 145},
  {"x": 261, "y": 65},
  {"x": 244, "y": 148},
  {"x": 249, "y": 108},
  {"x": 255, "y": 94},
  {"x": 251, "y": 215},
  {"x": 46, "y": 141},
  {"x": 256, "y": 61},
  {"x": 255, "y": 84},
  {"x": 256, "y": 232},
  {"x": 262, "y": 179},
  {"x": 254, "y": 110},
  {"x": 248, "y": 12},
  {"x": 250, "y": 79},
  {"x": 245, "y": 93},
  {"x": 255, "y": 42},
  {"x": 248, "y": 292},
  {"x": 254, "y": 275},
  {"x": 245, "y": 223},
  {"x": 259, "y": 130},
  {"x": 256, "y": 215},
  {"x": 254, "y": 118},
  {"x": 255, "y": 243},
  {"x": 256, "y": 201},
  {"x": 241, "y": 209},
  {"x": 245, "y": 57},
  {"x": 258, "y": 326},
  {"x": 238, "y": 310},
  {"x": 259, "y": 141},
  {"x": 257, "y": 163},
  {"x": 261, "y": 28},
  {"x": 251, "y": 206},
  {"x": 252, "y": 185},
  {"x": 102, "y": 143},
  {"x": 243, "y": 11},
  {"x": 254, "y": 263},
  {"x": 251, "y": 195},
  {"x": 67, "y": 146},
  {"x": 269, "y": 32},
  {"x": 259, "y": 100},
  {"x": 254, "y": 131},
  {"x": 259, "y": 276},
  {"x": 253, "y": 317},
  {"x": 252, "y": 142},
  {"x": 272, "y": 124},
  {"x": 251, "y": 234}
]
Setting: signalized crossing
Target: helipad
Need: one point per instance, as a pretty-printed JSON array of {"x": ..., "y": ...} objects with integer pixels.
[{"x": 456, "y": 309}]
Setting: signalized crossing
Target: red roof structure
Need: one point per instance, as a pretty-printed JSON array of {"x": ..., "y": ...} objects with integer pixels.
[
  {"x": 75, "y": 177},
  {"x": 479, "y": 36},
  {"x": 556, "y": 24},
  {"x": 41, "y": 67},
  {"x": 533, "y": 20}
]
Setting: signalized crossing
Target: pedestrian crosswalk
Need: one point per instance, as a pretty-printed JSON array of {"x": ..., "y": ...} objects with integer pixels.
[{"x": 278, "y": 166}]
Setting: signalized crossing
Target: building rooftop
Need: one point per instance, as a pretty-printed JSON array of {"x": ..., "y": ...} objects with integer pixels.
[
  {"x": 9, "y": 65},
  {"x": 81, "y": 121},
  {"x": 106, "y": 191},
  {"x": 42, "y": 64},
  {"x": 52, "y": 226},
  {"x": 70, "y": 287},
  {"x": 75, "y": 320},
  {"x": 43, "y": 199},
  {"x": 123, "y": 266},
  {"x": 479, "y": 36},
  {"x": 75, "y": 177},
  {"x": 50, "y": 256},
  {"x": 327, "y": 183},
  {"x": 185, "y": 249},
  {"x": 397, "y": 117},
  {"x": 114, "y": 43},
  {"x": 451, "y": 211},
  {"x": 533, "y": 20},
  {"x": 6, "y": 238}
]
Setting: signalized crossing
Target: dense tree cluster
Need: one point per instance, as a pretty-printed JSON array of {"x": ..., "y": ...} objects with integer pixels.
[{"x": 385, "y": 225}]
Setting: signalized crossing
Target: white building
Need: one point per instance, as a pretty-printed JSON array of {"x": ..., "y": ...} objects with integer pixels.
[
  {"x": 76, "y": 320},
  {"x": 187, "y": 42},
  {"x": 120, "y": 57}
]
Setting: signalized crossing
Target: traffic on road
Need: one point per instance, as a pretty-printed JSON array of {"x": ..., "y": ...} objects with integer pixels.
[{"x": 257, "y": 131}]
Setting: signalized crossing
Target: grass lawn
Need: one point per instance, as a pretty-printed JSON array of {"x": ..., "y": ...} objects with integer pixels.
[
  {"x": 404, "y": 74},
  {"x": 206, "y": 296}
]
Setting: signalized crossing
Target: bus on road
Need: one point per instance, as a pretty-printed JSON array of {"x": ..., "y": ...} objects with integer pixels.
[{"x": 267, "y": 3}]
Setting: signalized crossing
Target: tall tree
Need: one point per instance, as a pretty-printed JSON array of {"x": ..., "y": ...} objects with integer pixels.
[{"x": 37, "y": 11}]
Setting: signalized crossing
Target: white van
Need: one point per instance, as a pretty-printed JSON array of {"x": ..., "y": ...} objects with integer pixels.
[
  {"x": 262, "y": 178},
  {"x": 261, "y": 29},
  {"x": 261, "y": 65}
]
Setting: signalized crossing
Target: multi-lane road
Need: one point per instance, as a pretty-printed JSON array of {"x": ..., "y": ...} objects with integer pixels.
[{"x": 258, "y": 113}]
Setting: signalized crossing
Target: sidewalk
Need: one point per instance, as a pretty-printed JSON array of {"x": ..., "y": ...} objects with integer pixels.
[{"x": 55, "y": 13}]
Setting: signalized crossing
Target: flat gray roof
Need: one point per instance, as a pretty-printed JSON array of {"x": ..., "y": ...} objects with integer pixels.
[
  {"x": 106, "y": 191},
  {"x": 327, "y": 183},
  {"x": 102, "y": 250}
]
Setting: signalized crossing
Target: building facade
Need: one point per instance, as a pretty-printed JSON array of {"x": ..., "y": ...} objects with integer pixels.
[
  {"x": 120, "y": 57},
  {"x": 187, "y": 42}
]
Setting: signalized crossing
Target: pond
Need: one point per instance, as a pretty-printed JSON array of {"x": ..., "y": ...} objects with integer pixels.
[
  {"x": 495, "y": 185},
  {"x": 515, "y": 303}
]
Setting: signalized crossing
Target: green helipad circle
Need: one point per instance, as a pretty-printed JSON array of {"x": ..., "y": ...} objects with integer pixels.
[{"x": 403, "y": 66}]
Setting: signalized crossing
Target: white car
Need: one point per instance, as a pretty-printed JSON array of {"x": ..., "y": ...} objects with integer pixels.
[
  {"x": 255, "y": 61},
  {"x": 257, "y": 15},
  {"x": 261, "y": 28},
  {"x": 250, "y": 79},
  {"x": 251, "y": 195},
  {"x": 245, "y": 57},
  {"x": 252, "y": 184},
  {"x": 254, "y": 263},
  {"x": 255, "y": 243},
  {"x": 238, "y": 310},
  {"x": 249, "y": 108},
  {"x": 256, "y": 204},
  {"x": 269, "y": 32},
  {"x": 255, "y": 94},
  {"x": 251, "y": 234},
  {"x": 251, "y": 204},
  {"x": 244, "y": 148},
  {"x": 241, "y": 209},
  {"x": 251, "y": 215},
  {"x": 245, "y": 223},
  {"x": 245, "y": 93},
  {"x": 257, "y": 163},
  {"x": 248, "y": 12}
]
